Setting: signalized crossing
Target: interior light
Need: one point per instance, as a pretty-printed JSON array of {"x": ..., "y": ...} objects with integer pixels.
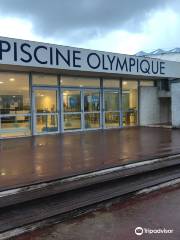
[
  {"x": 42, "y": 95},
  {"x": 11, "y": 79},
  {"x": 1, "y": 82},
  {"x": 124, "y": 83},
  {"x": 81, "y": 85},
  {"x": 3, "y": 173}
]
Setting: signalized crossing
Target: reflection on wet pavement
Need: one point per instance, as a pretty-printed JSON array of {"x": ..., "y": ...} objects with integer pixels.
[{"x": 43, "y": 158}]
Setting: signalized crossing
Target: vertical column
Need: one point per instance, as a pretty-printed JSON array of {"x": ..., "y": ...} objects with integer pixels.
[
  {"x": 175, "y": 102},
  {"x": 102, "y": 105},
  {"x": 149, "y": 107},
  {"x": 31, "y": 103},
  {"x": 59, "y": 103},
  {"x": 121, "y": 99}
]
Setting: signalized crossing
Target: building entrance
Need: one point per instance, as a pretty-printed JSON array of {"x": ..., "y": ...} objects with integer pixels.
[
  {"x": 45, "y": 110},
  {"x": 81, "y": 109}
]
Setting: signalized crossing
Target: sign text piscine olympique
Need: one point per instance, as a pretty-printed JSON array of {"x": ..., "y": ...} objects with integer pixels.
[{"x": 35, "y": 54}]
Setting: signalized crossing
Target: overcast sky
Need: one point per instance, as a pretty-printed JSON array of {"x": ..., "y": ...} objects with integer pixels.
[{"x": 110, "y": 25}]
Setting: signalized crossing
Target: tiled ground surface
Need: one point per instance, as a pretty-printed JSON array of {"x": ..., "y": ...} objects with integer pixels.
[{"x": 44, "y": 158}]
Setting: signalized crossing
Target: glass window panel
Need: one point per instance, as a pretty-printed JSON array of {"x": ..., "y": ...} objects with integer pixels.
[
  {"x": 46, "y": 101},
  {"x": 147, "y": 83},
  {"x": 46, "y": 123},
  {"x": 107, "y": 83},
  {"x": 130, "y": 95},
  {"x": 91, "y": 101},
  {"x": 125, "y": 100},
  {"x": 92, "y": 120},
  {"x": 126, "y": 84},
  {"x": 72, "y": 101},
  {"x": 130, "y": 118},
  {"x": 44, "y": 79},
  {"x": 14, "y": 105},
  {"x": 14, "y": 126},
  {"x": 111, "y": 101},
  {"x": 130, "y": 102},
  {"x": 112, "y": 119},
  {"x": 14, "y": 93},
  {"x": 72, "y": 121},
  {"x": 80, "y": 81}
]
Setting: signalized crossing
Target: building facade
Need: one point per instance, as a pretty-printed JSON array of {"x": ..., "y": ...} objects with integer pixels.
[{"x": 47, "y": 89}]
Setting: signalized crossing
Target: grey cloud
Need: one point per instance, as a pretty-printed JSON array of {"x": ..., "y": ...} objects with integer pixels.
[{"x": 82, "y": 19}]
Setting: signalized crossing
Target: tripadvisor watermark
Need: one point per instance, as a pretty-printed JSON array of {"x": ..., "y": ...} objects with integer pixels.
[{"x": 140, "y": 231}]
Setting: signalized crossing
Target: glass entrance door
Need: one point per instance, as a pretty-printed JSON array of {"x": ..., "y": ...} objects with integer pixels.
[
  {"x": 111, "y": 107},
  {"x": 72, "y": 110},
  {"x": 81, "y": 109},
  {"x": 91, "y": 109},
  {"x": 46, "y": 117}
]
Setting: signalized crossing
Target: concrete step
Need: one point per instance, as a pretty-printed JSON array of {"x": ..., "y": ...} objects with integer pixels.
[
  {"x": 60, "y": 205},
  {"x": 45, "y": 189}
]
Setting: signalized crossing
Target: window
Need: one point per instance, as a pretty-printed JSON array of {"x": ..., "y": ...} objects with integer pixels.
[
  {"x": 146, "y": 83},
  {"x": 80, "y": 82},
  {"x": 111, "y": 83},
  {"x": 129, "y": 102},
  {"x": 44, "y": 79},
  {"x": 14, "y": 105}
]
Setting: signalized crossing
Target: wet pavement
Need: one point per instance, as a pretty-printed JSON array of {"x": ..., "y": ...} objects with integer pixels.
[
  {"x": 31, "y": 160},
  {"x": 154, "y": 212}
]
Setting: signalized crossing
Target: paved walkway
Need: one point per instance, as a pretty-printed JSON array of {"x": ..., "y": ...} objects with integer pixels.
[
  {"x": 30, "y": 160},
  {"x": 155, "y": 211}
]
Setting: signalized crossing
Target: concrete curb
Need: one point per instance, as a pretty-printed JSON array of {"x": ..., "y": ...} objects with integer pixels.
[
  {"x": 48, "y": 222},
  {"x": 27, "y": 193}
]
